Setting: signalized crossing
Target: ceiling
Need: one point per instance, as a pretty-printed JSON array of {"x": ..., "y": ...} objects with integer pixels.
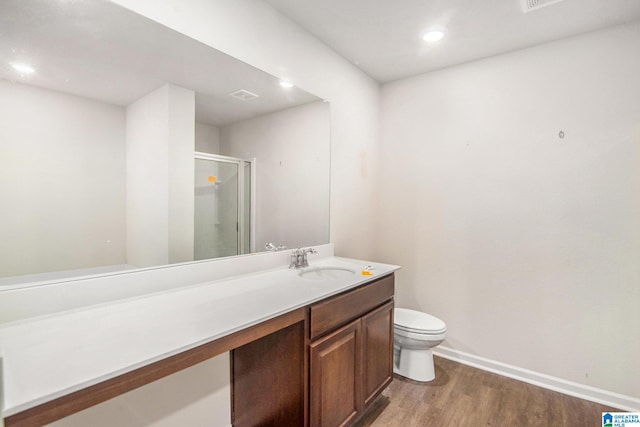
[
  {"x": 384, "y": 37},
  {"x": 99, "y": 50}
]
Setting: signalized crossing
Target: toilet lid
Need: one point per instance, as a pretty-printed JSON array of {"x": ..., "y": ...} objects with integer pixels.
[{"x": 417, "y": 321}]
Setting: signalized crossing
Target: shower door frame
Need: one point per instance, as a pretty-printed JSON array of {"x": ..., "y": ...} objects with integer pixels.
[{"x": 240, "y": 235}]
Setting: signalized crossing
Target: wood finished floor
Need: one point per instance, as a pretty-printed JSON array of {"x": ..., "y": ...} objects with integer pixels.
[{"x": 462, "y": 396}]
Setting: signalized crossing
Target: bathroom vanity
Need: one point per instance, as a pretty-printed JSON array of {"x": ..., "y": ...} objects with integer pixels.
[
  {"x": 304, "y": 350},
  {"x": 343, "y": 350}
]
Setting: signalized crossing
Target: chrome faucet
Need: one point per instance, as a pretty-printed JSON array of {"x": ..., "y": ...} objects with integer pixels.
[{"x": 299, "y": 257}]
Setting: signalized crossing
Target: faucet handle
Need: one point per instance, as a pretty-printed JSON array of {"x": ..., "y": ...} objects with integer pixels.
[{"x": 273, "y": 248}]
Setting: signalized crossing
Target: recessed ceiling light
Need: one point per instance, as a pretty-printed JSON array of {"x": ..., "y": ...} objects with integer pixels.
[
  {"x": 285, "y": 84},
  {"x": 433, "y": 36},
  {"x": 23, "y": 68}
]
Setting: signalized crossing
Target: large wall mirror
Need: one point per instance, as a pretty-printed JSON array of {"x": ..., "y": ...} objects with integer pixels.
[{"x": 124, "y": 144}]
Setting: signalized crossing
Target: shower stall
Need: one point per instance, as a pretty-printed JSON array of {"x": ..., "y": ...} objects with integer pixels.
[{"x": 224, "y": 206}]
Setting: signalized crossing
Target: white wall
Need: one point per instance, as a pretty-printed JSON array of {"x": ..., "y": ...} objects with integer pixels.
[
  {"x": 192, "y": 397},
  {"x": 207, "y": 138},
  {"x": 147, "y": 180},
  {"x": 525, "y": 244},
  {"x": 292, "y": 178},
  {"x": 160, "y": 143},
  {"x": 62, "y": 185},
  {"x": 181, "y": 173}
]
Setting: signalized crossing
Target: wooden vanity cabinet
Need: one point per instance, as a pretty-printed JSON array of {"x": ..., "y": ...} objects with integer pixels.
[
  {"x": 350, "y": 365},
  {"x": 321, "y": 372}
]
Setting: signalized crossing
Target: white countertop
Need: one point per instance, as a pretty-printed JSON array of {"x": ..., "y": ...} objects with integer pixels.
[{"x": 50, "y": 356}]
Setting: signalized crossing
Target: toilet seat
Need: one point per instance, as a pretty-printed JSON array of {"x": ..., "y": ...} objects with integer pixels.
[{"x": 416, "y": 322}]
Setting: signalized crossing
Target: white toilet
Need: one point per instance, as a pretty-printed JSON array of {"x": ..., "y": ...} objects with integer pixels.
[{"x": 415, "y": 334}]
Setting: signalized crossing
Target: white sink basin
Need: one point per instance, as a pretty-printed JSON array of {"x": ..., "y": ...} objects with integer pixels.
[{"x": 326, "y": 273}]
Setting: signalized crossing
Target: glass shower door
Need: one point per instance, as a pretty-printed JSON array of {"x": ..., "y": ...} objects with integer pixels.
[
  {"x": 222, "y": 207},
  {"x": 247, "y": 209}
]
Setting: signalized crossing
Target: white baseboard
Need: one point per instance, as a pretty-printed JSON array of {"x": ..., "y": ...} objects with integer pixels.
[{"x": 620, "y": 401}]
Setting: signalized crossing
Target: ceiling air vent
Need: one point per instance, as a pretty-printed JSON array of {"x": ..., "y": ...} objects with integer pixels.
[
  {"x": 530, "y": 5},
  {"x": 244, "y": 95}
]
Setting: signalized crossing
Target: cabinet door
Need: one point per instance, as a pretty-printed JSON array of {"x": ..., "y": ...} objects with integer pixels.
[
  {"x": 377, "y": 342},
  {"x": 335, "y": 391}
]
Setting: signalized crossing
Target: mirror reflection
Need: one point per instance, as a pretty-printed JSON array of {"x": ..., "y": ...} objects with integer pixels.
[{"x": 124, "y": 144}]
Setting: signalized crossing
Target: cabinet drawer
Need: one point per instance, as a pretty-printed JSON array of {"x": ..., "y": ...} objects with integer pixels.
[{"x": 336, "y": 311}]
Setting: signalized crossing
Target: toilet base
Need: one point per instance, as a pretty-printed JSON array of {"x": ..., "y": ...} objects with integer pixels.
[{"x": 416, "y": 365}]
